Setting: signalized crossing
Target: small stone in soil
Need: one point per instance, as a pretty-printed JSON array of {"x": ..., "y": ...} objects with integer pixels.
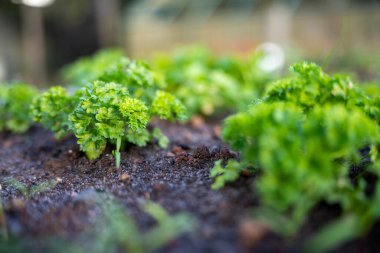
[
  {"x": 176, "y": 150},
  {"x": 251, "y": 232},
  {"x": 170, "y": 154},
  {"x": 124, "y": 177},
  {"x": 197, "y": 122},
  {"x": 217, "y": 131}
]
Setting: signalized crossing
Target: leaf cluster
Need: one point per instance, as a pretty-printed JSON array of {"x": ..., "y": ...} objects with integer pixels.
[
  {"x": 305, "y": 136},
  {"x": 52, "y": 108},
  {"x": 111, "y": 66},
  {"x": 15, "y": 100}
]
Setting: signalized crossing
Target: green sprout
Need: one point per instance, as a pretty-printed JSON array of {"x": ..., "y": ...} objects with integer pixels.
[{"x": 29, "y": 192}]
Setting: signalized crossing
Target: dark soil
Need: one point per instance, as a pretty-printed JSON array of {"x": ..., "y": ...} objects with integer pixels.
[{"x": 176, "y": 178}]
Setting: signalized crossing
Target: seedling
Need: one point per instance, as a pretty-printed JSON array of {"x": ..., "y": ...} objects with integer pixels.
[
  {"x": 167, "y": 228},
  {"x": 29, "y": 192},
  {"x": 121, "y": 230}
]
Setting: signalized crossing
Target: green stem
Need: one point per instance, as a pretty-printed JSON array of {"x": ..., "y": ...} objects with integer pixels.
[
  {"x": 2, "y": 217},
  {"x": 117, "y": 152}
]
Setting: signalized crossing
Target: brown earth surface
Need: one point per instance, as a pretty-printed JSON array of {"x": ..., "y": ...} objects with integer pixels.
[{"x": 177, "y": 178}]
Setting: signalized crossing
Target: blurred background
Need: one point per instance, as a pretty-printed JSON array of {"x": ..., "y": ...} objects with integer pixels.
[{"x": 38, "y": 37}]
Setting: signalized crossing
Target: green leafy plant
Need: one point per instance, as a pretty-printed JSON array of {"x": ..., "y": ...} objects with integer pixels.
[
  {"x": 29, "y": 192},
  {"x": 137, "y": 76},
  {"x": 217, "y": 84},
  {"x": 52, "y": 108},
  {"x": 303, "y": 137},
  {"x": 111, "y": 66},
  {"x": 15, "y": 100},
  {"x": 114, "y": 109},
  {"x": 106, "y": 111}
]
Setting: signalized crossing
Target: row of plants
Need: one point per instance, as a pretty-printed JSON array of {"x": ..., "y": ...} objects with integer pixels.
[
  {"x": 207, "y": 84},
  {"x": 109, "y": 98},
  {"x": 116, "y": 108},
  {"x": 312, "y": 138}
]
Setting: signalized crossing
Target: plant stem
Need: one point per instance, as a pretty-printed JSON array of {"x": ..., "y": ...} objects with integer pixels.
[
  {"x": 117, "y": 152},
  {"x": 2, "y": 217}
]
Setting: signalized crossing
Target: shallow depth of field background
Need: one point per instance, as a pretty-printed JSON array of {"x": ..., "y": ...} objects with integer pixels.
[{"x": 35, "y": 42}]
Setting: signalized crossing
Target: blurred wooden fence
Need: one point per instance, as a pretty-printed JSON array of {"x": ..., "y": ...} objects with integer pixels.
[{"x": 315, "y": 32}]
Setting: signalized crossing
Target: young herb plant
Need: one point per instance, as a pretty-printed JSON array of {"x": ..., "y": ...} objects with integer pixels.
[
  {"x": 114, "y": 109},
  {"x": 106, "y": 112}
]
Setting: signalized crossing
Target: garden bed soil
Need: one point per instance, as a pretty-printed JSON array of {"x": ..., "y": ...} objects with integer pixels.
[{"x": 176, "y": 178}]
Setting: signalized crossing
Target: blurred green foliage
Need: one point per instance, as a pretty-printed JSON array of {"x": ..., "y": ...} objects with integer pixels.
[
  {"x": 51, "y": 109},
  {"x": 208, "y": 84},
  {"x": 88, "y": 69},
  {"x": 15, "y": 100},
  {"x": 205, "y": 83},
  {"x": 116, "y": 230},
  {"x": 304, "y": 136},
  {"x": 121, "y": 231}
]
